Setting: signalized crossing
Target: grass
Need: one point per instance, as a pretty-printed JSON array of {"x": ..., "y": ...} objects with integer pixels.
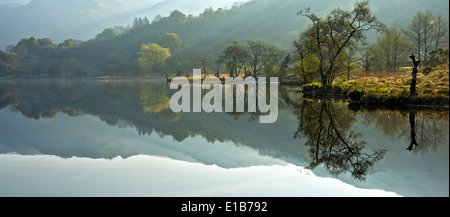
[{"x": 392, "y": 88}]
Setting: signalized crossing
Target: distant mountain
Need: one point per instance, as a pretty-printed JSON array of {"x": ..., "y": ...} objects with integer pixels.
[{"x": 83, "y": 19}]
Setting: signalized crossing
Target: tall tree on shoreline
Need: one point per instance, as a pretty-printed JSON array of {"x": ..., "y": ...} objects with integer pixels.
[
  {"x": 339, "y": 29},
  {"x": 440, "y": 35},
  {"x": 153, "y": 57},
  {"x": 256, "y": 51}
]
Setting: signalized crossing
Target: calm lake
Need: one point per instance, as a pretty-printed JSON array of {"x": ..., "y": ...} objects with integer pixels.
[{"x": 91, "y": 138}]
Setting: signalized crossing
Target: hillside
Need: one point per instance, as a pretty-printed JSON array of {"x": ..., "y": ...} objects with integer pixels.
[
  {"x": 83, "y": 19},
  {"x": 203, "y": 36},
  {"x": 62, "y": 19}
]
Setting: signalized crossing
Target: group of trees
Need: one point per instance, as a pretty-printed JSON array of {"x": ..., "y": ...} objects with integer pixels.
[
  {"x": 36, "y": 57},
  {"x": 253, "y": 59},
  {"x": 116, "y": 51},
  {"x": 8, "y": 63},
  {"x": 330, "y": 37},
  {"x": 336, "y": 44},
  {"x": 426, "y": 34}
]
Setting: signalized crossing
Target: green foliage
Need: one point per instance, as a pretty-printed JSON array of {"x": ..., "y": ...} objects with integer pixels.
[
  {"x": 235, "y": 58},
  {"x": 108, "y": 33},
  {"x": 307, "y": 68},
  {"x": 427, "y": 70},
  {"x": 328, "y": 37},
  {"x": 8, "y": 64},
  {"x": 308, "y": 88},
  {"x": 153, "y": 57},
  {"x": 54, "y": 69},
  {"x": 66, "y": 45},
  {"x": 390, "y": 51},
  {"x": 171, "y": 41},
  {"x": 46, "y": 43},
  {"x": 438, "y": 58}
]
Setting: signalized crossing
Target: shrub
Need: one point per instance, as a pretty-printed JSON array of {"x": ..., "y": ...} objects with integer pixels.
[
  {"x": 427, "y": 70},
  {"x": 355, "y": 95},
  {"x": 312, "y": 87}
]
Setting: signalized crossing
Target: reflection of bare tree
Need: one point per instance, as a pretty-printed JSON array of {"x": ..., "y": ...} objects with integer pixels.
[
  {"x": 412, "y": 122},
  {"x": 331, "y": 140},
  {"x": 424, "y": 130}
]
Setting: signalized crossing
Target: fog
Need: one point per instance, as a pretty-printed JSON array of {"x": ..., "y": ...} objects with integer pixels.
[{"x": 83, "y": 19}]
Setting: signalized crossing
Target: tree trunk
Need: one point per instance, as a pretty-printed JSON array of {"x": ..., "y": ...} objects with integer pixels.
[{"x": 413, "y": 91}]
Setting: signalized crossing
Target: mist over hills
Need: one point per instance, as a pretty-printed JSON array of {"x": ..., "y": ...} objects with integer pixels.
[{"x": 83, "y": 19}]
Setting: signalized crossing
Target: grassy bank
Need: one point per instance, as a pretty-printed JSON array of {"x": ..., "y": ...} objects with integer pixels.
[{"x": 391, "y": 89}]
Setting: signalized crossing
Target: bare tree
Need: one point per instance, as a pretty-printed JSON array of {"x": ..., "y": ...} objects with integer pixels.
[
  {"x": 420, "y": 33},
  {"x": 440, "y": 35},
  {"x": 390, "y": 50},
  {"x": 205, "y": 68}
]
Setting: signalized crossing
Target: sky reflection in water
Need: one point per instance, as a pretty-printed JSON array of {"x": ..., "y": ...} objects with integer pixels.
[{"x": 65, "y": 139}]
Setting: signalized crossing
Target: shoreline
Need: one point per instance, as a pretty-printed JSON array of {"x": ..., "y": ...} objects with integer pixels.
[{"x": 388, "y": 102}]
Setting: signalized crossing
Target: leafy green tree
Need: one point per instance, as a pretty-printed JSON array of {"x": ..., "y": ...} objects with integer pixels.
[
  {"x": 139, "y": 22},
  {"x": 73, "y": 67},
  {"x": 9, "y": 63},
  {"x": 111, "y": 69},
  {"x": 307, "y": 68},
  {"x": 153, "y": 57},
  {"x": 257, "y": 51},
  {"x": 55, "y": 69},
  {"x": 272, "y": 58},
  {"x": 438, "y": 58},
  {"x": 171, "y": 64},
  {"x": 108, "y": 33},
  {"x": 46, "y": 43},
  {"x": 235, "y": 58},
  {"x": 349, "y": 61},
  {"x": 66, "y": 44},
  {"x": 205, "y": 66},
  {"x": 177, "y": 16},
  {"x": 171, "y": 41},
  {"x": 331, "y": 35}
]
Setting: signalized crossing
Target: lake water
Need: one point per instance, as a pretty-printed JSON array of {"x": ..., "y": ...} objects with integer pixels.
[{"x": 88, "y": 138}]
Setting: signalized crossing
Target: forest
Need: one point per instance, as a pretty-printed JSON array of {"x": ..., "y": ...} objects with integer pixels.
[{"x": 336, "y": 52}]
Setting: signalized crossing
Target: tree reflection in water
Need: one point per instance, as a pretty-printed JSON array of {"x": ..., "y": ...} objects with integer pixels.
[
  {"x": 412, "y": 122},
  {"x": 332, "y": 142},
  {"x": 422, "y": 130},
  {"x": 327, "y": 127}
]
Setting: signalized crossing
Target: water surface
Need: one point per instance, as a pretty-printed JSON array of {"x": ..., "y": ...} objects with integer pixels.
[{"x": 88, "y": 138}]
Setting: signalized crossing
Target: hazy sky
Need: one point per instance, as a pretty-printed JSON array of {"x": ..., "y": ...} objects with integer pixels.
[{"x": 3, "y": 2}]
